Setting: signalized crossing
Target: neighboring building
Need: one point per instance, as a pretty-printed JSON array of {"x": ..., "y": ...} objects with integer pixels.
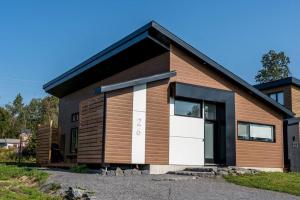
[
  {"x": 152, "y": 99},
  {"x": 9, "y": 143},
  {"x": 285, "y": 91}
]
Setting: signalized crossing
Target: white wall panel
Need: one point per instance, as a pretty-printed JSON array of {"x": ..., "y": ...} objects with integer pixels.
[
  {"x": 186, "y": 139},
  {"x": 139, "y": 124}
]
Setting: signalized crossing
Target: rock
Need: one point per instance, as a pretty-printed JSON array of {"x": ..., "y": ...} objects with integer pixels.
[
  {"x": 50, "y": 188},
  {"x": 127, "y": 172},
  {"x": 111, "y": 173},
  {"x": 223, "y": 173},
  {"x": 136, "y": 172},
  {"x": 145, "y": 172},
  {"x": 76, "y": 194},
  {"x": 119, "y": 172}
]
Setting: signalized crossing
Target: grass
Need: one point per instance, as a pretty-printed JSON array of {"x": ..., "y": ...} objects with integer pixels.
[
  {"x": 22, "y": 183},
  {"x": 280, "y": 182},
  {"x": 80, "y": 169}
]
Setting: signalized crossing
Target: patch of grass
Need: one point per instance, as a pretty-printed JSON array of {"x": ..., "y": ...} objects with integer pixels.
[
  {"x": 22, "y": 183},
  {"x": 80, "y": 169},
  {"x": 276, "y": 181}
]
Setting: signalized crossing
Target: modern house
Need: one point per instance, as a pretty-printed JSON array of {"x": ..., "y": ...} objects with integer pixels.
[
  {"x": 287, "y": 92},
  {"x": 153, "y": 100}
]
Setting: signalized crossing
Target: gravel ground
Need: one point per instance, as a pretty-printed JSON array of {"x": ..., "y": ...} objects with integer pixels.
[{"x": 169, "y": 187}]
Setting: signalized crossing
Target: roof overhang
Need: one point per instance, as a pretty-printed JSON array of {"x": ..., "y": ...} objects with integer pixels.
[
  {"x": 278, "y": 83},
  {"x": 134, "y": 82},
  {"x": 149, "y": 41}
]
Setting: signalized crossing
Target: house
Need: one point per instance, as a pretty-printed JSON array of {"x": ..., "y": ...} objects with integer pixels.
[
  {"x": 286, "y": 91},
  {"x": 9, "y": 143},
  {"x": 153, "y": 100}
]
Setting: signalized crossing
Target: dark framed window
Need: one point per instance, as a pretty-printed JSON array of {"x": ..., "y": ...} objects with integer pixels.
[
  {"x": 256, "y": 132},
  {"x": 210, "y": 111},
  {"x": 188, "y": 108},
  {"x": 73, "y": 140},
  {"x": 278, "y": 96},
  {"x": 75, "y": 117}
]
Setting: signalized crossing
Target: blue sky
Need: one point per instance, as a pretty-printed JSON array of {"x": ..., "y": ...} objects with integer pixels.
[{"x": 39, "y": 40}]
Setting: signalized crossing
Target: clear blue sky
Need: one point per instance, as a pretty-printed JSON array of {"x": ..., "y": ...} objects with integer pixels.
[{"x": 39, "y": 40}]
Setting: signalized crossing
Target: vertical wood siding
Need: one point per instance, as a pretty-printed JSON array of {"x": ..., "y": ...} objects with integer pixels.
[
  {"x": 247, "y": 107},
  {"x": 118, "y": 129},
  {"x": 157, "y": 123},
  {"x": 90, "y": 132}
]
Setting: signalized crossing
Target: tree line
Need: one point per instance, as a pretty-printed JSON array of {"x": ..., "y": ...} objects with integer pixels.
[{"x": 17, "y": 116}]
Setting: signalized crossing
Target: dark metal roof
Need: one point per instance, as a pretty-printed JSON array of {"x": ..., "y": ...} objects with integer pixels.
[
  {"x": 278, "y": 83},
  {"x": 143, "y": 80},
  {"x": 159, "y": 36},
  {"x": 293, "y": 121}
]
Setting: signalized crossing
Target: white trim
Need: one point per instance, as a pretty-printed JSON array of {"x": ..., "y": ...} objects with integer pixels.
[{"x": 139, "y": 124}]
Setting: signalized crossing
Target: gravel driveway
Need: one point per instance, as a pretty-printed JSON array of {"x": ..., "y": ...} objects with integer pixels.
[{"x": 169, "y": 187}]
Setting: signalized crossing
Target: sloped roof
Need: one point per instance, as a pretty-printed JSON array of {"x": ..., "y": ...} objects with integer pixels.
[{"x": 158, "y": 39}]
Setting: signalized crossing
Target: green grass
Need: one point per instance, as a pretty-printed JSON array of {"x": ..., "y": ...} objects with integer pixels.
[
  {"x": 21, "y": 183},
  {"x": 280, "y": 182},
  {"x": 80, "y": 169}
]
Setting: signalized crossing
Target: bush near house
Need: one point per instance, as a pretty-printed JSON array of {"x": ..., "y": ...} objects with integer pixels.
[{"x": 280, "y": 182}]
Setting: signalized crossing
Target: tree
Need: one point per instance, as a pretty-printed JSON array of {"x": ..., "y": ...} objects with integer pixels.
[
  {"x": 4, "y": 122},
  {"x": 50, "y": 110},
  {"x": 274, "y": 67}
]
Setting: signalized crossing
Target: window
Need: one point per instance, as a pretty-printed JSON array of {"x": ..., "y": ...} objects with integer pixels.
[
  {"x": 255, "y": 132},
  {"x": 187, "y": 108},
  {"x": 278, "y": 96},
  {"x": 75, "y": 117},
  {"x": 210, "y": 111},
  {"x": 73, "y": 140}
]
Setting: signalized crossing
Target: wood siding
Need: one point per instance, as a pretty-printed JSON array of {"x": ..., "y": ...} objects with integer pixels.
[
  {"x": 287, "y": 94},
  {"x": 44, "y": 140},
  {"x": 296, "y": 100},
  {"x": 118, "y": 129},
  {"x": 91, "y": 128},
  {"x": 70, "y": 104},
  {"x": 157, "y": 123},
  {"x": 247, "y": 108}
]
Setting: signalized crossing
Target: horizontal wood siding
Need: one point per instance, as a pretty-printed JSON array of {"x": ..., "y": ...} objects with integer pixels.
[
  {"x": 118, "y": 129},
  {"x": 157, "y": 123},
  {"x": 43, "y": 149},
  {"x": 247, "y": 107},
  {"x": 296, "y": 100},
  {"x": 70, "y": 104},
  {"x": 90, "y": 133},
  {"x": 258, "y": 154}
]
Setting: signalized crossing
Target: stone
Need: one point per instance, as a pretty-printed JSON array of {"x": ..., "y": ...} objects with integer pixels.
[
  {"x": 136, "y": 172},
  {"x": 145, "y": 172},
  {"x": 127, "y": 172},
  {"x": 119, "y": 172},
  {"x": 111, "y": 173}
]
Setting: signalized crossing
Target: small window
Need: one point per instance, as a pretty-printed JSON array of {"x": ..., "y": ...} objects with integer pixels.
[
  {"x": 278, "y": 96},
  {"x": 210, "y": 111},
  {"x": 187, "y": 108},
  {"x": 255, "y": 132},
  {"x": 75, "y": 117},
  {"x": 73, "y": 140}
]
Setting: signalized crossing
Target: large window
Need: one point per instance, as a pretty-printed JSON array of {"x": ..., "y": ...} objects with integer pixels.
[
  {"x": 74, "y": 140},
  {"x": 188, "y": 108},
  {"x": 255, "y": 132},
  {"x": 278, "y": 96}
]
